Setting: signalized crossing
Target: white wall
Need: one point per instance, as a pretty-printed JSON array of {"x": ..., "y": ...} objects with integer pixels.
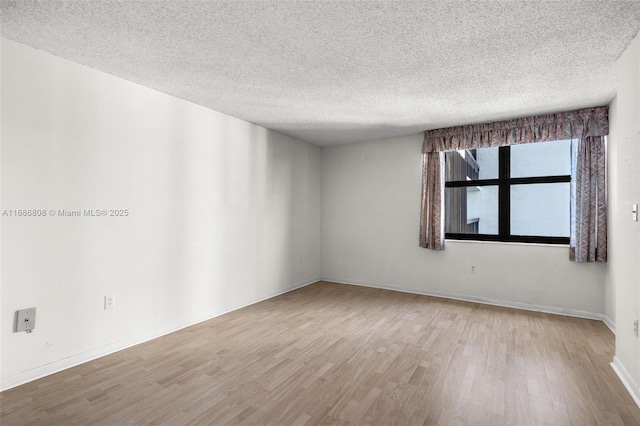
[
  {"x": 222, "y": 213},
  {"x": 371, "y": 204},
  {"x": 623, "y": 271}
]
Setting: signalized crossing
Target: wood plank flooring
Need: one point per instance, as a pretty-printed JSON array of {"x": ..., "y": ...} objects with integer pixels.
[{"x": 331, "y": 354}]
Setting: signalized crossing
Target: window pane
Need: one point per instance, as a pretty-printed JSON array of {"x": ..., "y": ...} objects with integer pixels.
[
  {"x": 540, "y": 209},
  {"x": 471, "y": 210},
  {"x": 541, "y": 159},
  {"x": 471, "y": 164}
]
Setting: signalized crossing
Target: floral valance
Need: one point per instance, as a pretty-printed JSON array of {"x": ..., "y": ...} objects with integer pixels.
[{"x": 542, "y": 128}]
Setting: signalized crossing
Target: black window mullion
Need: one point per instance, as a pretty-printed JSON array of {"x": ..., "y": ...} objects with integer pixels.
[
  {"x": 539, "y": 179},
  {"x": 504, "y": 182},
  {"x": 504, "y": 192},
  {"x": 467, "y": 183}
]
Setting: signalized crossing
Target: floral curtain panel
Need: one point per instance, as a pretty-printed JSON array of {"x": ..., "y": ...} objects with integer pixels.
[
  {"x": 588, "y": 230},
  {"x": 589, "y": 202},
  {"x": 432, "y": 210}
]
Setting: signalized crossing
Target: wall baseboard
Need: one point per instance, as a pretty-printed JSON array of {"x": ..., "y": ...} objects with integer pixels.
[
  {"x": 74, "y": 360},
  {"x": 626, "y": 379},
  {"x": 607, "y": 321},
  {"x": 484, "y": 300}
]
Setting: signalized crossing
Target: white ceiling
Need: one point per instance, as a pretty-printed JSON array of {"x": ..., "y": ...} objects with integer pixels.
[{"x": 334, "y": 72}]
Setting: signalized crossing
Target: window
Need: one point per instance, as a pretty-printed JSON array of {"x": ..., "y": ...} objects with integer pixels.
[{"x": 517, "y": 193}]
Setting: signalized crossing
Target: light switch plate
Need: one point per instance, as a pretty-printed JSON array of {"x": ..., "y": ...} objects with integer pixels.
[
  {"x": 25, "y": 320},
  {"x": 634, "y": 212}
]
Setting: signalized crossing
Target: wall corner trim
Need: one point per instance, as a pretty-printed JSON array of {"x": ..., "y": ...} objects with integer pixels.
[{"x": 607, "y": 321}]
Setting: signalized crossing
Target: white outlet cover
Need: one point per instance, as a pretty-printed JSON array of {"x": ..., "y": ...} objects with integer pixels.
[
  {"x": 26, "y": 319},
  {"x": 109, "y": 302}
]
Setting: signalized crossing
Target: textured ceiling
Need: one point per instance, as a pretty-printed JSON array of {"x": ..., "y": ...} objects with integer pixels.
[{"x": 334, "y": 72}]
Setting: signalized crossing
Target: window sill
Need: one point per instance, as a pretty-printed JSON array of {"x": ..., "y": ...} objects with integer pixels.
[{"x": 509, "y": 243}]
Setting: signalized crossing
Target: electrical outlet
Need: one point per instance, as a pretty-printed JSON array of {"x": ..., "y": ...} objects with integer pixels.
[
  {"x": 110, "y": 302},
  {"x": 472, "y": 269},
  {"x": 25, "y": 320},
  {"x": 635, "y": 326}
]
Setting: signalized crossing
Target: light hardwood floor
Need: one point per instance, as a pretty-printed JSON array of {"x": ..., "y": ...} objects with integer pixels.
[{"x": 334, "y": 354}]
